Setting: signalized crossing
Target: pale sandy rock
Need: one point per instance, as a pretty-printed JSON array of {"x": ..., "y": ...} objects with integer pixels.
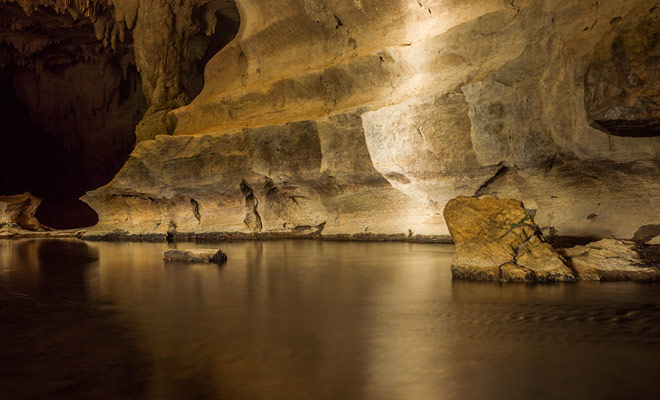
[
  {"x": 497, "y": 240},
  {"x": 196, "y": 255},
  {"x": 18, "y": 212},
  {"x": 304, "y": 178},
  {"x": 612, "y": 260},
  {"x": 16, "y": 232},
  {"x": 351, "y": 117},
  {"x": 586, "y": 198},
  {"x": 415, "y": 146}
]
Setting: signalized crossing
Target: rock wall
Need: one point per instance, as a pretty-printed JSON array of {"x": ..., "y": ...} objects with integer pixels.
[
  {"x": 353, "y": 117},
  {"x": 83, "y": 80}
]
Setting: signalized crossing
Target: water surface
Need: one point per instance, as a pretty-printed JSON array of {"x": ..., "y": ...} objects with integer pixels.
[{"x": 310, "y": 320}]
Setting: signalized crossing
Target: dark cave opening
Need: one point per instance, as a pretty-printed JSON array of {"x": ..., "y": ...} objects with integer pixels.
[
  {"x": 59, "y": 158},
  {"x": 71, "y": 103},
  {"x": 69, "y": 110},
  {"x": 219, "y": 22},
  {"x": 32, "y": 160}
]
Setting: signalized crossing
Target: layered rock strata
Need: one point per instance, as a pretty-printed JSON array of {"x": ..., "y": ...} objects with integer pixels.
[
  {"x": 615, "y": 260},
  {"x": 365, "y": 117},
  {"x": 497, "y": 240},
  {"x": 296, "y": 180}
]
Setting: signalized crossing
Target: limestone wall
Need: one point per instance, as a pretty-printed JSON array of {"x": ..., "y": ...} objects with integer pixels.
[{"x": 354, "y": 117}]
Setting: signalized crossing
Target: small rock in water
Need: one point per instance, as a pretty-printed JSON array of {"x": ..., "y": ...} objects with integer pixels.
[{"x": 196, "y": 255}]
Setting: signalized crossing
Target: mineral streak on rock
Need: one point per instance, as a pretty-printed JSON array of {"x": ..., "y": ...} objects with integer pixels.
[{"x": 497, "y": 240}]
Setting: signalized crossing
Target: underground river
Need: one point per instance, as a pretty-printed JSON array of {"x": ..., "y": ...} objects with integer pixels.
[{"x": 309, "y": 320}]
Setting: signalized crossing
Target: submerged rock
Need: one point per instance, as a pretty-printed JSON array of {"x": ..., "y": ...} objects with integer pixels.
[
  {"x": 196, "y": 255},
  {"x": 497, "y": 240},
  {"x": 615, "y": 260}
]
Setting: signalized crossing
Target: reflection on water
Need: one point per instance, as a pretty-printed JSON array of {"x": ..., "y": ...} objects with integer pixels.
[{"x": 309, "y": 320}]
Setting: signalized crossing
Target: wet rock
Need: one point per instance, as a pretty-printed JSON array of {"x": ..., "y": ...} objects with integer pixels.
[
  {"x": 497, "y": 240},
  {"x": 615, "y": 260},
  {"x": 18, "y": 211},
  {"x": 196, "y": 255}
]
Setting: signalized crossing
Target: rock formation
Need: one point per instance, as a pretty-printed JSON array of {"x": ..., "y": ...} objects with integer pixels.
[
  {"x": 19, "y": 211},
  {"x": 615, "y": 260},
  {"x": 17, "y": 218},
  {"x": 497, "y": 240},
  {"x": 86, "y": 79},
  {"x": 196, "y": 255},
  {"x": 362, "y": 118}
]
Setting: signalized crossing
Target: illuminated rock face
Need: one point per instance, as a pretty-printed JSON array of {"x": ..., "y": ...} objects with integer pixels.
[
  {"x": 497, "y": 240},
  {"x": 367, "y": 116},
  {"x": 298, "y": 179}
]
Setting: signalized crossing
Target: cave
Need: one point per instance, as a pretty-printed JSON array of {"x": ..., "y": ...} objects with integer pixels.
[
  {"x": 73, "y": 96},
  {"x": 329, "y": 199},
  {"x": 121, "y": 115}
]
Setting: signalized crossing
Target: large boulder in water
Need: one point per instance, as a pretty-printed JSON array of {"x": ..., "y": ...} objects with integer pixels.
[
  {"x": 497, "y": 240},
  {"x": 615, "y": 260}
]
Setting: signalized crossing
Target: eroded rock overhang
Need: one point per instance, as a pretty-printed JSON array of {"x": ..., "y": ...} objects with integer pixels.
[{"x": 365, "y": 117}]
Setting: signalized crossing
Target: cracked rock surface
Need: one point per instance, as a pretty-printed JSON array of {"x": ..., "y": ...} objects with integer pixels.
[
  {"x": 497, "y": 240},
  {"x": 615, "y": 260}
]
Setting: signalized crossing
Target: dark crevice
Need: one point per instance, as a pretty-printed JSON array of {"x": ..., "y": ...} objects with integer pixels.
[
  {"x": 640, "y": 128},
  {"x": 216, "y": 32},
  {"x": 500, "y": 173},
  {"x": 649, "y": 255},
  {"x": 339, "y": 23},
  {"x": 252, "y": 218},
  {"x": 195, "y": 209}
]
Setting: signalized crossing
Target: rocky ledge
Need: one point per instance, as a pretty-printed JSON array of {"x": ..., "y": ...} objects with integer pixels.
[
  {"x": 17, "y": 219},
  {"x": 497, "y": 240},
  {"x": 615, "y": 260}
]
